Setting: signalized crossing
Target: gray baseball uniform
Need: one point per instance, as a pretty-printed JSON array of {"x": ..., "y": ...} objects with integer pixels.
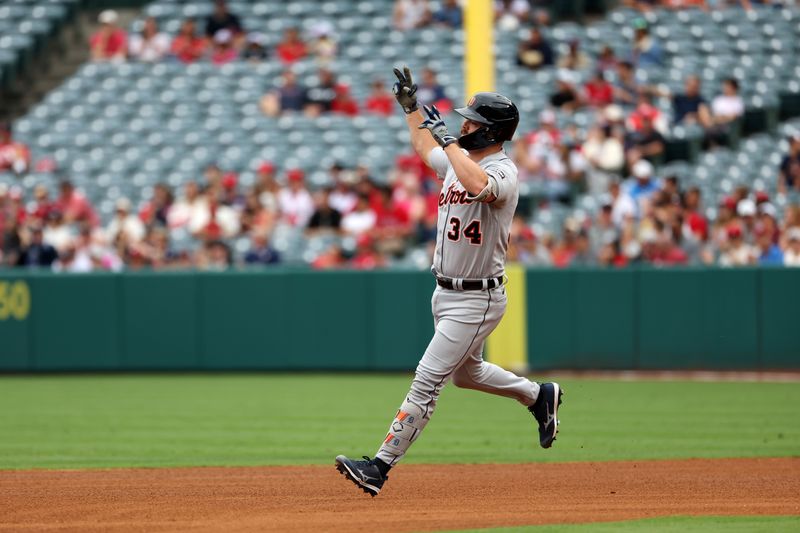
[{"x": 471, "y": 244}]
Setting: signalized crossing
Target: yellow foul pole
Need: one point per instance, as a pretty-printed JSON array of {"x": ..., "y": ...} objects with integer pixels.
[{"x": 478, "y": 46}]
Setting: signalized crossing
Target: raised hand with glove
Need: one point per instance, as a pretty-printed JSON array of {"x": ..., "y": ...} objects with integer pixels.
[
  {"x": 435, "y": 124},
  {"x": 405, "y": 90}
]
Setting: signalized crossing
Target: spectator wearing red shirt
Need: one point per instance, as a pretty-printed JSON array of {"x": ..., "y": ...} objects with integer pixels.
[
  {"x": 187, "y": 45},
  {"x": 14, "y": 156},
  {"x": 366, "y": 256},
  {"x": 109, "y": 43},
  {"x": 343, "y": 102},
  {"x": 156, "y": 210},
  {"x": 43, "y": 206},
  {"x": 74, "y": 206},
  {"x": 291, "y": 48},
  {"x": 597, "y": 91},
  {"x": 380, "y": 101},
  {"x": 223, "y": 50}
]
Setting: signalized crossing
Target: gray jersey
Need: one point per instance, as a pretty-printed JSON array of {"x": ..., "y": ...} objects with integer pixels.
[{"x": 472, "y": 237}]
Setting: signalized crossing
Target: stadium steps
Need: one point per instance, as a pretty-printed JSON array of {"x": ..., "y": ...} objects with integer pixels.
[{"x": 56, "y": 61}]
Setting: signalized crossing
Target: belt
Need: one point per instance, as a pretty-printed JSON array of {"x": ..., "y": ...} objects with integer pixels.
[{"x": 469, "y": 284}]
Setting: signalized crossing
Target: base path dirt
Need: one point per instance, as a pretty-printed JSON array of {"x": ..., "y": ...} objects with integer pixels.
[{"x": 416, "y": 498}]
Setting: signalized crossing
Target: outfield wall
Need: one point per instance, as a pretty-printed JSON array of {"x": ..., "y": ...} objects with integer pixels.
[{"x": 296, "y": 320}]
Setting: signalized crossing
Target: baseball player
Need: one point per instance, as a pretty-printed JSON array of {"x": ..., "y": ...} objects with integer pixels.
[{"x": 476, "y": 205}]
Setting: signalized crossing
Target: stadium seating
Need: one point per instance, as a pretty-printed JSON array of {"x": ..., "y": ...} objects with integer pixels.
[
  {"x": 116, "y": 130},
  {"x": 25, "y": 26}
]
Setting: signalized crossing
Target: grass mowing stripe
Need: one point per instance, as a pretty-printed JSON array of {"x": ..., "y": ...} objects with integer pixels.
[
  {"x": 75, "y": 421},
  {"x": 671, "y": 524}
]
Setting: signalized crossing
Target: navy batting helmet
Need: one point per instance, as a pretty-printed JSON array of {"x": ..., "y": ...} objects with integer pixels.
[{"x": 498, "y": 116}]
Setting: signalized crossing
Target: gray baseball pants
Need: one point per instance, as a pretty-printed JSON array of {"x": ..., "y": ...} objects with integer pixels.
[{"x": 463, "y": 320}]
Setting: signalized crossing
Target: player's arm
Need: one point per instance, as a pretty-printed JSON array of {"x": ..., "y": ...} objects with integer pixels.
[
  {"x": 475, "y": 181},
  {"x": 405, "y": 92}
]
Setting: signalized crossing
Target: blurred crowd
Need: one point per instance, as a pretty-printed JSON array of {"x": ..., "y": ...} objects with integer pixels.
[{"x": 216, "y": 222}]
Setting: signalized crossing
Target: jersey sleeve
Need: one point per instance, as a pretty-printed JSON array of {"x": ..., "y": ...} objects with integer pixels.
[
  {"x": 439, "y": 162},
  {"x": 503, "y": 182}
]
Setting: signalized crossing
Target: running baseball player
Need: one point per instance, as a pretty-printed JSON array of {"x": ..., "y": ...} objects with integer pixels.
[{"x": 476, "y": 205}]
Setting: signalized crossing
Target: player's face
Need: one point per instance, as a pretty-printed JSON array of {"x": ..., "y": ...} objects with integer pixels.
[{"x": 469, "y": 126}]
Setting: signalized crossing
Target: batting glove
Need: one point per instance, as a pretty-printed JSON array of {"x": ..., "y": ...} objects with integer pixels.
[
  {"x": 435, "y": 124},
  {"x": 405, "y": 90}
]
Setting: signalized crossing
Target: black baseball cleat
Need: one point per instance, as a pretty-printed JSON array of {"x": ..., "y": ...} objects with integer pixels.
[
  {"x": 545, "y": 411},
  {"x": 364, "y": 474}
]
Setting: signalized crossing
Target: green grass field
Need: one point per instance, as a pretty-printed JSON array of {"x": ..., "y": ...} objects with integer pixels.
[
  {"x": 672, "y": 524},
  {"x": 261, "y": 419}
]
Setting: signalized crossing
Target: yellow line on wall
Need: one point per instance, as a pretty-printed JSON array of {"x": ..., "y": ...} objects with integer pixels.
[
  {"x": 478, "y": 46},
  {"x": 507, "y": 346}
]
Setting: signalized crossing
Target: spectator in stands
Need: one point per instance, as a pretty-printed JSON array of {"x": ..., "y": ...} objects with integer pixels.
[
  {"x": 392, "y": 224},
  {"x": 325, "y": 218},
  {"x": 187, "y": 46},
  {"x": 597, "y": 91},
  {"x": 533, "y": 151},
  {"x": 42, "y": 205},
  {"x": 323, "y": 47},
  {"x": 260, "y": 252},
  {"x": 343, "y": 102},
  {"x": 646, "y": 142},
  {"x": 342, "y": 197},
  {"x": 411, "y": 14},
  {"x": 188, "y": 207},
  {"x": 380, "y": 101},
  {"x": 361, "y": 219},
  {"x": 575, "y": 59},
  {"x": 449, "y": 15},
  {"x": 645, "y": 110},
  {"x": 604, "y": 148},
  {"x": 126, "y": 223},
  {"x": 149, "y": 46},
  {"x": 290, "y": 96},
  {"x": 367, "y": 256},
  {"x": 266, "y": 186},
  {"x": 690, "y": 107},
  {"x": 525, "y": 247},
  {"x": 222, "y": 19},
  {"x": 643, "y": 186},
  {"x": 791, "y": 255},
  {"x": 769, "y": 253},
  {"x": 109, "y": 43},
  {"x": 292, "y": 48},
  {"x": 788, "y": 175},
  {"x": 37, "y": 253},
  {"x": 510, "y": 14},
  {"x": 627, "y": 89},
  {"x": 536, "y": 52},
  {"x": 14, "y": 156},
  {"x": 215, "y": 255},
  {"x": 726, "y": 109},
  {"x": 431, "y": 92},
  {"x": 156, "y": 210},
  {"x": 322, "y": 95},
  {"x": 603, "y": 231},
  {"x": 56, "y": 233},
  {"x": 294, "y": 200},
  {"x": 736, "y": 252},
  {"x": 606, "y": 61},
  {"x": 74, "y": 206},
  {"x": 566, "y": 96},
  {"x": 223, "y": 50},
  {"x": 646, "y": 50},
  {"x": 254, "y": 49},
  {"x": 254, "y": 217}
]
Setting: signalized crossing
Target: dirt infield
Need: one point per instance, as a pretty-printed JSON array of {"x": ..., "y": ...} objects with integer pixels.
[{"x": 417, "y": 497}]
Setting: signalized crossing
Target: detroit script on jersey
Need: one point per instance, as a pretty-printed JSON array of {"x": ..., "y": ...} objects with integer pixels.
[{"x": 472, "y": 237}]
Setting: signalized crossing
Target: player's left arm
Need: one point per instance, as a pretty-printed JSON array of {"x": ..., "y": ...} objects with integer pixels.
[{"x": 475, "y": 181}]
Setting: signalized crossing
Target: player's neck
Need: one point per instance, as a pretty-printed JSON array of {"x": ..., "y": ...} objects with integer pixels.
[{"x": 477, "y": 155}]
